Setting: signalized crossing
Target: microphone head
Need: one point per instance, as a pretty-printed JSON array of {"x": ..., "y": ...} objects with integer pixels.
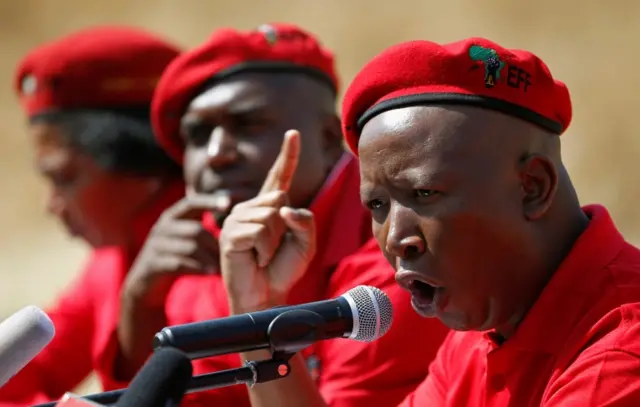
[
  {"x": 165, "y": 377},
  {"x": 372, "y": 313},
  {"x": 22, "y": 336}
]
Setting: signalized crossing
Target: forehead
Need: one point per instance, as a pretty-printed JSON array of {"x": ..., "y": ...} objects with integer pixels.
[
  {"x": 417, "y": 133},
  {"x": 240, "y": 92},
  {"x": 51, "y": 145},
  {"x": 48, "y": 137},
  {"x": 430, "y": 140}
]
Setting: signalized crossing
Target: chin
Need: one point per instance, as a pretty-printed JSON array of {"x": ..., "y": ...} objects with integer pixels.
[
  {"x": 459, "y": 322},
  {"x": 455, "y": 324}
]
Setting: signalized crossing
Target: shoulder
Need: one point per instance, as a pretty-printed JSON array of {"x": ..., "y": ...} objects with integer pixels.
[
  {"x": 624, "y": 273},
  {"x": 604, "y": 371},
  {"x": 618, "y": 330}
]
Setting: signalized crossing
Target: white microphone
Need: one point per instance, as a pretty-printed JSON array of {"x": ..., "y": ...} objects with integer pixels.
[{"x": 22, "y": 336}]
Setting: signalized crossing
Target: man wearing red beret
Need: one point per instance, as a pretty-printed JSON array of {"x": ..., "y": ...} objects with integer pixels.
[
  {"x": 222, "y": 109},
  {"x": 87, "y": 98},
  {"x": 459, "y": 149}
]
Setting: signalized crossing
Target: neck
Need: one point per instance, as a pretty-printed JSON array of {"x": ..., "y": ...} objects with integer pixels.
[{"x": 555, "y": 241}]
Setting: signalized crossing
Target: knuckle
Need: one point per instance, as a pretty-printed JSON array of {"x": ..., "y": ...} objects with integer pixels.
[
  {"x": 174, "y": 210},
  {"x": 191, "y": 228},
  {"x": 159, "y": 226},
  {"x": 171, "y": 264},
  {"x": 190, "y": 247},
  {"x": 241, "y": 206},
  {"x": 280, "y": 194},
  {"x": 229, "y": 243},
  {"x": 229, "y": 230}
]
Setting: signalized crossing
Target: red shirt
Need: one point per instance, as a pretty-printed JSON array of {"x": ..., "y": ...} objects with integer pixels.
[
  {"x": 579, "y": 344},
  {"x": 85, "y": 317},
  {"x": 349, "y": 373}
]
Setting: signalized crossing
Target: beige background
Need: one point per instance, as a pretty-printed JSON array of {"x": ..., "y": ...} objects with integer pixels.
[{"x": 591, "y": 44}]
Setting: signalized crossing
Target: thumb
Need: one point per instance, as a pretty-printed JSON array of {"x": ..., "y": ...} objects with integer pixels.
[{"x": 303, "y": 228}]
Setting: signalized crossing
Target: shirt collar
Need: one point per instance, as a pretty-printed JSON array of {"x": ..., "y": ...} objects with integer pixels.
[
  {"x": 342, "y": 223},
  {"x": 573, "y": 288}
]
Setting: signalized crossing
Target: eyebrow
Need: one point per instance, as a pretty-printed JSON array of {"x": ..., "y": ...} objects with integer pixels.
[
  {"x": 240, "y": 108},
  {"x": 245, "y": 107}
]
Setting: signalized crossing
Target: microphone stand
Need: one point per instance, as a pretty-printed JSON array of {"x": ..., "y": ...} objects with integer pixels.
[{"x": 289, "y": 333}]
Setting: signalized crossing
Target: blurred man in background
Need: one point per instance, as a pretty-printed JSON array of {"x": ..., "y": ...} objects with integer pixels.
[
  {"x": 222, "y": 110},
  {"x": 87, "y": 98}
]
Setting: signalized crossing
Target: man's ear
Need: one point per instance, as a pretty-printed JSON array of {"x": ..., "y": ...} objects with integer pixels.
[{"x": 539, "y": 184}]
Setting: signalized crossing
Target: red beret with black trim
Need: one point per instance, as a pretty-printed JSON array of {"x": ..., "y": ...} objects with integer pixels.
[
  {"x": 269, "y": 48},
  {"x": 473, "y": 71},
  {"x": 106, "y": 67}
]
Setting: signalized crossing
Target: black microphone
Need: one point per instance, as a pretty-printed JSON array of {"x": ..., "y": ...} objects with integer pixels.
[
  {"x": 161, "y": 382},
  {"x": 363, "y": 313}
]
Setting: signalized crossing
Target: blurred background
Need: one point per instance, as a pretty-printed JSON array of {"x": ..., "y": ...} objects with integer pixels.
[{"x": 587, "y": 43}]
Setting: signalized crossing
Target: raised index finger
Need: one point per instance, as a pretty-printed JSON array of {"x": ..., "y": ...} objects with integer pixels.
[{"x": 283, "y": 169}]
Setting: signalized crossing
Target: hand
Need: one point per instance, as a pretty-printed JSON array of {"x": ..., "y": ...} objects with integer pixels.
[
  {"x": 177, "y": 245},
  {"x": 265, "y": 245}
]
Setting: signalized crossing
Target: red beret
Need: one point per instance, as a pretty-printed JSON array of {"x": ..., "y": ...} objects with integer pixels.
[
  {"x": 269, "y": 48},
  {"x": 474, "y": 72},
  {"x": 96, "y": 68}
]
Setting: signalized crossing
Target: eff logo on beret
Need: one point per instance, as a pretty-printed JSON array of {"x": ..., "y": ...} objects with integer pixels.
[
  {"x": 517, "y": 77},
  {"x": 491, "y": 61}
]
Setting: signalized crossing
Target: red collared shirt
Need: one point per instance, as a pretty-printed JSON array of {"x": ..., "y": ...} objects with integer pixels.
[
  {"x": 86, "y": 318},
  {"x": 349, "y": 373},
  {"x": 579, "y": 345}
]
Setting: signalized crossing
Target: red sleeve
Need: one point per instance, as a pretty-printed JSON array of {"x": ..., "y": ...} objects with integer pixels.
[
  {"x": 66, "y": 361},
  {"x": 610, "y": 378},
  {"x": 381, "y": 373}
]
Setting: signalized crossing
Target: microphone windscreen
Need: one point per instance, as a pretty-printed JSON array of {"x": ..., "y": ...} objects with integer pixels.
[
  {"x": 22, "y": 336},
  {"x": 165, "y": 377},
  {"x": 372, "y": 312}
]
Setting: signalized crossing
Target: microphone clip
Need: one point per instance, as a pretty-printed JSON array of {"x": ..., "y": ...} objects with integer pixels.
[
  {"x": 295, "y": 330},
  {"x": 268, "y": 370},
  {"x": 289, "y": 333}
]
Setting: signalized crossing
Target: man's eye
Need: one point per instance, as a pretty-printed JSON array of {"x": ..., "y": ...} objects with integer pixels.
[
  {"x": 424, "y": 193},
  {"x": 375, "y": 204}
]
